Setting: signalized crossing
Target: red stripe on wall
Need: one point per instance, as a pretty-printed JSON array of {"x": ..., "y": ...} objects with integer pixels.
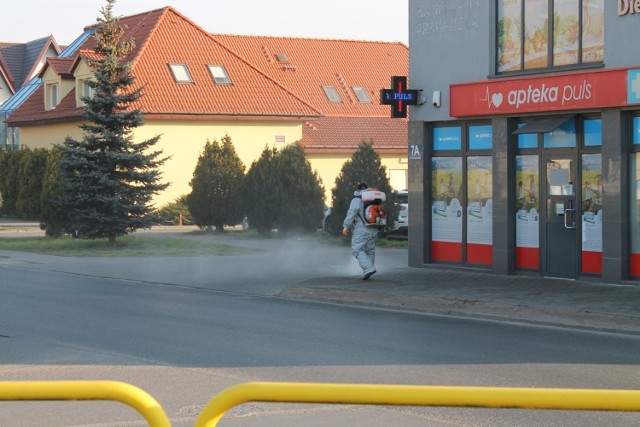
[
  {"x": 635, "y": 265},
  {"x": 479, "y": 254},
  {"x": 528, "y": 258},
  {"x": 446, "y": 251},
  {"x": 592, "y": 262}
]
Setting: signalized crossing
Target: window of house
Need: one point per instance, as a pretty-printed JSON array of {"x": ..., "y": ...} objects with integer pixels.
[
  {"x": 181, "y": 73},
  {"x": 219, "y": 74},
  {"x": 86, "y": 91},
  {"x": 361, "y": 94},
  {"x": 52, "y": 96},
  {"x": 535, "y": 34},
  {"x": 332, "y": 94}
]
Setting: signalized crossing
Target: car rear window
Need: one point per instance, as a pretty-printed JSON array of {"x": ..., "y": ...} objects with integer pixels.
[{"x": 402, "y": 198}]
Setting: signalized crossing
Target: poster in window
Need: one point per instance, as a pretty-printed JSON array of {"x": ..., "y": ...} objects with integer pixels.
[
  {"x": 480, "y": 210},
  {"x": 536, "y": 34},
  {"x": 566, "y": 32},
  {"x": 591, "y": 197},
  {"x": 635, "y": 215},
  {"x": 527, "y": 208},
  {"x": 446, "y": 209},
  {"x": 509, "y": 35},
  {"x": 592, "y": 30},
  {"x": 479, "y": 196}
]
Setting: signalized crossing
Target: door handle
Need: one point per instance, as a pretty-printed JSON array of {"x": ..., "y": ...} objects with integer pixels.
[{"x": 566, "y": 216}]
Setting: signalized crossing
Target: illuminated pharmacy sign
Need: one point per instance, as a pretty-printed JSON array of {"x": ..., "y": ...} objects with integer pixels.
[
  {"x": 399, "y": 97},
  {"x": 574, "y": 91}
]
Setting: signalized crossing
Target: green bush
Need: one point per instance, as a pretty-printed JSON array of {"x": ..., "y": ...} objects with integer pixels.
[
  {"x": 30, "y": 179},
  {"x": 9, "y": 182},
  {"x": 169, "y": 214},
  {"x": 53, "y": 218}
]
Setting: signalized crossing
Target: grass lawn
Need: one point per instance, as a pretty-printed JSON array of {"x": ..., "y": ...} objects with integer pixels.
[
  {"x": 126, "y": 246},
  {"x": 150, "y": 245}
]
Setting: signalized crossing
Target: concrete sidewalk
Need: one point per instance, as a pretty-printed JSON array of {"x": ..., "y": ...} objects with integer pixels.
[
  {"x": 331, "y": 275},
  {"x": 568, "y": 303}
]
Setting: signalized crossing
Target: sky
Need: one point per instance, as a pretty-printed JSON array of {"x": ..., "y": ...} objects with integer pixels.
[{"x": 379, "y": 20}]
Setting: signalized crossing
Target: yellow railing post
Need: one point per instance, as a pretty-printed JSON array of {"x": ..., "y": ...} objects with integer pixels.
[
  {"x": 487, "y": 397},
  {"x": 115, "y": 391}
]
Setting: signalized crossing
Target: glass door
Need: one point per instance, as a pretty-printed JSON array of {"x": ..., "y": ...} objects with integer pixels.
[{"x": 561, "y": 218}]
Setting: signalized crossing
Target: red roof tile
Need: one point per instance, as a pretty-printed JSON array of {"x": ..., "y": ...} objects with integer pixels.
[
  {"x": 62, "y": 66},
  {"x": 344, "y": 134},
  {"x": 313, "y": 63}
]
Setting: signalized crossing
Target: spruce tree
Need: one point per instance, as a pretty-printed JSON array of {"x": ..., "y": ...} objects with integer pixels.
[
  {"x": 109, "y": 179},
  {"x": 215, "y": 198},
  {"x": 364, "y": 166}
]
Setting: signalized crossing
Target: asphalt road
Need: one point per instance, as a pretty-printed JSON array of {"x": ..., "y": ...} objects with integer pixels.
[{"x": 184, "y": 344}]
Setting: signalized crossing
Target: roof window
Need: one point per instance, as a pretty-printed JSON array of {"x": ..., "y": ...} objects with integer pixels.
[
  {"x": 181, "y": 73},
  {"x": 361, "y": 94},
  {"x": 332, "y": 94},
  {"x": 281, "y": 57},
  {"x": 219, "y": 74}
]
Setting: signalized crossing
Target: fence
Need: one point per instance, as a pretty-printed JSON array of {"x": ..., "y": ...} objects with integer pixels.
[{"x": 364, "y": 394}]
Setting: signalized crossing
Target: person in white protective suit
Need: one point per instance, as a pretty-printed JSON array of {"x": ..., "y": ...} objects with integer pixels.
[{"x": 363, "y": 240}]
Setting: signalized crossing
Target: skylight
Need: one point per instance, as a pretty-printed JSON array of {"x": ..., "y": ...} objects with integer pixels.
[
  {"x": 282, "y": 57},
  {"x": 361, "y": 94},
  {"x": 332, "y": 94},
  {"x": 181, "y": 73},
  {"x": 219, "y": 75}
]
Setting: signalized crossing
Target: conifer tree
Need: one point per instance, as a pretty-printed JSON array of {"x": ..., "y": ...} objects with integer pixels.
[
  {"x": 108, "y": 178},
  {"x": 215, "y": 198},
  {"x": 53, "y": 218},
  {"x": 364, "y": 166},
  {"x": 283, "y": 192},
  {"x": 299, "y": 190},
  {"x": 260, "y": 183}
]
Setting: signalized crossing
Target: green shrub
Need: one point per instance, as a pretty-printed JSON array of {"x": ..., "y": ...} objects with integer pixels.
[{"x": 169, "y": 214}]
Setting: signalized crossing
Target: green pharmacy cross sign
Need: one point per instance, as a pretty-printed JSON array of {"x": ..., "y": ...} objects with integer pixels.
[{"x": 399, "y": 97}]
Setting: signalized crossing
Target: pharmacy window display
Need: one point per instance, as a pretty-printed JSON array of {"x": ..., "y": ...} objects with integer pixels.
[{"x": 527, "y": 41}]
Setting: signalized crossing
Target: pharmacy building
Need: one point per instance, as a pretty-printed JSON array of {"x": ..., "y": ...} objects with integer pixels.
[{"x": 524, "y": 145}]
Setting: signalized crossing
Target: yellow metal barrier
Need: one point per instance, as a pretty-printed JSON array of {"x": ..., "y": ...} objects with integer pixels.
[
  {"x": 115, "y": 391},
  {"x": 480, "y": 397},
  {"x": 486, "y": 397}
]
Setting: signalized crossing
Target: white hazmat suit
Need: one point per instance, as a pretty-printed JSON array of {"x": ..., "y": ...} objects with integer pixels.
[{"x": 363, "y": 239}]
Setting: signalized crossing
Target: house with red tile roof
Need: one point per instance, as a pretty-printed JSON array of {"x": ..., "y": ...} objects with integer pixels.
[{"x": 261, "y": 91}]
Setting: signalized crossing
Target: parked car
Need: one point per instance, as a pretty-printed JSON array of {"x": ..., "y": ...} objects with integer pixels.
[{"x": 401, "y": 226}]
